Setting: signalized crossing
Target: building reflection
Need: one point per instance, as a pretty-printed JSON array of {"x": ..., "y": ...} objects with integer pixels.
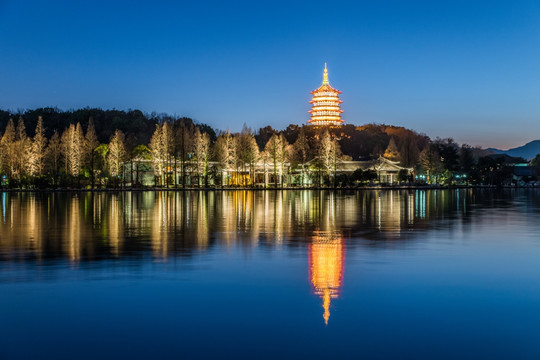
[{"x": 326, "y": 254}]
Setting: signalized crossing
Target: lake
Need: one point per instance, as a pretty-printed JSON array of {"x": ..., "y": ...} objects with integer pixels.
[{"x": 412, "y": 274}]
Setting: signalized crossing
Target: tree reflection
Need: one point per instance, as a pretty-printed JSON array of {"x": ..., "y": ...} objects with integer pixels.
[{"x": 93, "y": 226}]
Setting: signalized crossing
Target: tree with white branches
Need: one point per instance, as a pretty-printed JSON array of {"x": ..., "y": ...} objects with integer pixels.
[
  {"x": 116, "y": 156},
  {"x": 22, "y": 145},
  {"x": 90, "y": 144},
  {"x": 201, "y": 149},
  {"x": 7, "y": 150},
  {"x": 225, "y": 153},
  {"x": 37, "y": 155},
  {"x": 72, "y": 149}
]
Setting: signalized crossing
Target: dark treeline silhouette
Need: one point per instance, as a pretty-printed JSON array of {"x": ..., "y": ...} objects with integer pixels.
[
  {"x": 47, "y": 147},
  {"x": 137, "y": 124}
]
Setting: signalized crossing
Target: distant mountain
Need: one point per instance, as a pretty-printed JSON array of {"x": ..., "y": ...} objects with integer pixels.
[{"x": 527, "y": 151}]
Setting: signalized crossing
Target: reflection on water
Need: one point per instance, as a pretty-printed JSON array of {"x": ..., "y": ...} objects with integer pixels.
[
  {"x": 96, "y": 226},
  {"x": 154, "y": 273},
  {"x": 326, "y": 261},
  {"x": 92, "y": 226}
]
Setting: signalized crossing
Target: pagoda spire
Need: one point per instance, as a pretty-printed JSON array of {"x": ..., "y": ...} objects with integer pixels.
[{"x": 325, "y": 76}]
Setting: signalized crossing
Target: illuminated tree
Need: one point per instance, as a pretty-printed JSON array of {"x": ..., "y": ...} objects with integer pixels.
[
  {"x": 72, "y": 142},
  {"x": 155, "y": 151},
  {"x": 53, "y": 155},
  {"x": 131, "y": 144},
  {"x": 201, "y": 148},
  {"x": 116, "y": 156},
  {"x": 166, "y": 148},
  {"x": 183, "y": 146},
  {"x": 265, "y": 158},
  {"x": 247, "y": 152},
  {"x": 90, "y": 144},
  {"x": 22, "y": 146},
  {"x": 273, "y": 149},
  {"x": 7, "y": 150},
  {"x": 328, "y": 154},
  {"x": 37, "y": 155},
  {"x": 285, "y": 154},
  {"x": 391, "y": 151},
  {"x": 161, "y": 147},
  {"x": 301, "y": 152},
  {"x": 225, "y": 152}
]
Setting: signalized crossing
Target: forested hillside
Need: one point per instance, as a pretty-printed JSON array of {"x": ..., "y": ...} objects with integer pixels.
[{"x": 48, "y": 147}]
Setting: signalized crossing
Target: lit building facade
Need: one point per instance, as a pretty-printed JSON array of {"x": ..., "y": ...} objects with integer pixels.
[{"x": 325, "y": 105}]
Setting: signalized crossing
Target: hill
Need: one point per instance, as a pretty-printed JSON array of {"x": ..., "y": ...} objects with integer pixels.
[{"x": 527, "y": 151}]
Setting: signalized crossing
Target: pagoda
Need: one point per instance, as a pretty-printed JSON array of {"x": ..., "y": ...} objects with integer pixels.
[{"x": 325, "y": 108}]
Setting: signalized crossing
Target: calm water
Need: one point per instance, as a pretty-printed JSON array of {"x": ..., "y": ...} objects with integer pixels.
[{"x": 292, "y": 274}]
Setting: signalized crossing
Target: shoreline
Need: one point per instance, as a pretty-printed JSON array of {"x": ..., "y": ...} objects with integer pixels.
[{"x": 370, "y": 188}]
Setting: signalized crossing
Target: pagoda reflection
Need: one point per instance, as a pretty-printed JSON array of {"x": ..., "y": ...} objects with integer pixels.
[{"x": 326, "y": 266}]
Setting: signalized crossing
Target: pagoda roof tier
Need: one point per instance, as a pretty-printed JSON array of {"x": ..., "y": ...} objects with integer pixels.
[
  {"x": 316, "y": 111},
  {"x": 318, "y": 100},
  {"x": 325, "y": 107},
  {"x": 326, "y": 122},
  {"x": 325, "y": 117},
  {"x": 325, "y": 88}
]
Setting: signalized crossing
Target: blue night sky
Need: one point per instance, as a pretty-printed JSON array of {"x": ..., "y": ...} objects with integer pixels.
[{"x": 464, "y": 69}]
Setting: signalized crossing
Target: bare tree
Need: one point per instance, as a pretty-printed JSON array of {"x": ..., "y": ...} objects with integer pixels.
[
  {"x": 7, "y": 150},
  {"x": 274, "y": 150},
  {"x": 184, "y": 145},
  {"x": 53, "y": 155},
  {"x": 409, "y": 154},
  {"x": 37, "y": 155},
  {"x": 23, "y": 146},
  {"x": 284, "y": 155},
  {"x": 247, "y": 152},
  {"x": 430, "y": 161},
  {"x": 166, "y": 149},
  {"x": 72, "y": 150},
  {"x": 201, "y": 146},
  {"x": 90, "y": 144},
  {"x": 225, "y": 153},
  {"x": 328, "y": 154},
  {"x": 116, "y": 156},
  {"x": 157, "y": 156},
  {"x": 301, "y": 153},
  {"x": 161, "y": 147}
]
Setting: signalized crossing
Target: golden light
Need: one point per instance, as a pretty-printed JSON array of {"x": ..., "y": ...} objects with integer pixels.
[
  {"x": 326, "y": 261},
  {"x": 325, "y": 109}
]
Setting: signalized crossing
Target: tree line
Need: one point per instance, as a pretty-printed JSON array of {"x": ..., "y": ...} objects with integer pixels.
[{"x": 112, "y": 148}]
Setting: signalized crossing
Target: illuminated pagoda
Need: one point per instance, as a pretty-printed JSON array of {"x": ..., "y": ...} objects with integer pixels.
[
  {"x": 325, "y": 108},
  {"x": 326, "y": 259}
]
